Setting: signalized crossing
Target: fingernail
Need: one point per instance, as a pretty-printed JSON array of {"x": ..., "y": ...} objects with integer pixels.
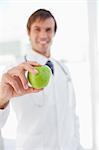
[{"x": 35, "y": 72}]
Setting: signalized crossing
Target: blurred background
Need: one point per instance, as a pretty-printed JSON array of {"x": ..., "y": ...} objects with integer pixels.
[{"x": 76, "y": 43}]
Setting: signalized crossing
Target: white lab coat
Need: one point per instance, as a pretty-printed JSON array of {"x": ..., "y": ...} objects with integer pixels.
[{"x": 47, "y": 120}]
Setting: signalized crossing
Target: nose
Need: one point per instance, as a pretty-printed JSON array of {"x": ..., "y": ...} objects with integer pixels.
[{"x": 43, "y": 34}]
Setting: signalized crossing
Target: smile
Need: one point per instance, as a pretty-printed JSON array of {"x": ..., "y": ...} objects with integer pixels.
[{"x": 43, "y": 42}]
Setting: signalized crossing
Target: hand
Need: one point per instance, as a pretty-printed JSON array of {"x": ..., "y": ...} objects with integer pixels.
[{"x": 14, "y": 82}]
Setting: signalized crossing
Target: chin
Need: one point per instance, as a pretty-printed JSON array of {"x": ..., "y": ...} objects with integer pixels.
[{"x": 43, "y": 50}]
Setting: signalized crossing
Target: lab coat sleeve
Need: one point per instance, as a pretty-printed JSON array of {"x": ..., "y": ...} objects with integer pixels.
[
  {"x": 3, "y": 112},
  {"x": 4, "y": 115}
]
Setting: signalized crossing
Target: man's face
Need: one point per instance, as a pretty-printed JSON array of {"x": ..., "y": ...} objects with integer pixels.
[{"x": 41, "y": 35}]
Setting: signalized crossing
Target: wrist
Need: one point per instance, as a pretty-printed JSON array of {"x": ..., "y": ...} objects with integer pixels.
[{"x": 3, "y": 103}]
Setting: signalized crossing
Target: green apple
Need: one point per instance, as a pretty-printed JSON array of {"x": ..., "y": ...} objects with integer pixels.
[{"x": 41, "y": 79}]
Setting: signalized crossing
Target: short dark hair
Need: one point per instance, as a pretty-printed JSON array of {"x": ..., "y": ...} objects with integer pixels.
[{"x": 41, "y": 14}]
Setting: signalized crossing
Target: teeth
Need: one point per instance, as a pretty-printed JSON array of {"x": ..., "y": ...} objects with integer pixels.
[{"x": 42, "y": 42}]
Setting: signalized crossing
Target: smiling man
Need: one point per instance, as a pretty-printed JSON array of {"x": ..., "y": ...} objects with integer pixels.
[
  {"x": 46, "y": 117},
  {"x": 41, "y": 34}
]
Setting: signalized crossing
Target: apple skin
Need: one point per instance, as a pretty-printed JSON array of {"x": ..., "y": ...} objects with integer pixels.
[{"x": 41, "y": 79}]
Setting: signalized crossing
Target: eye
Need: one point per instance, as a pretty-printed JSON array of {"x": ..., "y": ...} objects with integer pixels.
[
  {"x": 48, "y": 30},
  {"x": 37, "y": 29}
]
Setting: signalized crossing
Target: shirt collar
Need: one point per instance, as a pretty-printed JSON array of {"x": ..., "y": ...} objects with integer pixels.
[{"x": 34, "y": 56}]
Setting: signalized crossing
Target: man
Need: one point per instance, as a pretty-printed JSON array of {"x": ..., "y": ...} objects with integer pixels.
[{"x": 46, "y": 117}]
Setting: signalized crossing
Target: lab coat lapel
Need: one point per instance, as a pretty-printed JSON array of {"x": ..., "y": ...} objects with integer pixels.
[{"x": 63, "y": 95}]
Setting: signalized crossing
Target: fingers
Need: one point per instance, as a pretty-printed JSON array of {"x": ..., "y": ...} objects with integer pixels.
[
  {"x": 12, "y": 82},
  {"x": 20, "y": 70},
  {"x": 32, "y": 90},
  {"x": 16, "y": 75},
  {"x": 26, "y": 66},
  {"x": 15, "y": 87},
  {"x": 23, "y": 80},
  {"x": 29, "y": 66}
]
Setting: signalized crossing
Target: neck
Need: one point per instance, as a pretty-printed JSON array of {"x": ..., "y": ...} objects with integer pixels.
[{"x": 44, "y": 54}]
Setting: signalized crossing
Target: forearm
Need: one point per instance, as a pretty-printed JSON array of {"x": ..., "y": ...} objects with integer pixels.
[
  {"x": 4, "y": 99},
  {"x": 4, "y": 112},
  {"x": 4, "y": 108}
]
